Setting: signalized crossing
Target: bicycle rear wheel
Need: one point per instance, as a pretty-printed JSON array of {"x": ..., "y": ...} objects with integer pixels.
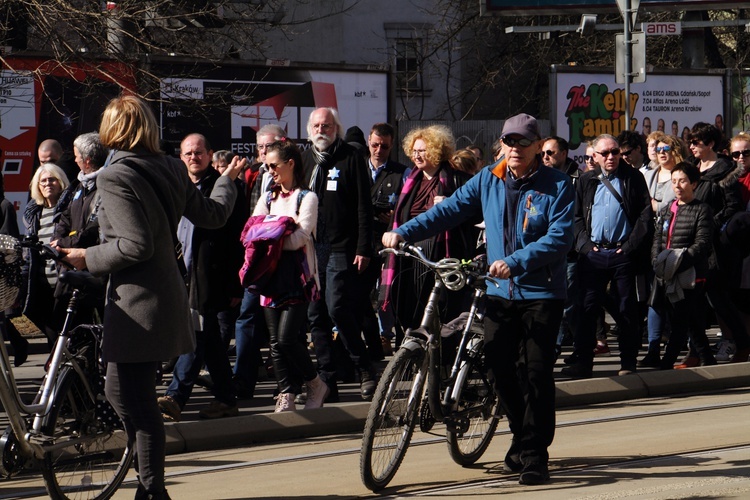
[
  {"x": 474, "y": 417},
  {"x": 392, "y": 417},
  {"x": 93, "y": 457}
]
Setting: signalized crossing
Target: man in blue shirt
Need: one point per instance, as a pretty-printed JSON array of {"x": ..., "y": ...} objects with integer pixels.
[
  {"x": 528, "y": 210},
  {"x": 614, "y": 228}
]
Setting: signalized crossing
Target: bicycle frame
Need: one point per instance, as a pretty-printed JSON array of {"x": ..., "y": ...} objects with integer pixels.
[{"x": 31, "y": 441}]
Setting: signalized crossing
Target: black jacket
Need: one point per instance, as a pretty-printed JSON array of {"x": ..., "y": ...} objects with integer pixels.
[
  {"x": 637, "y": 206},
  {"x": 343, "y": 189},
  {"x": 217, "y": 256},
  {"x": 384, "y": 193},
  {"x": 693, "y": 231},
  {"x": 78, "y": 226},
  {"x": 724, "y": 174}
]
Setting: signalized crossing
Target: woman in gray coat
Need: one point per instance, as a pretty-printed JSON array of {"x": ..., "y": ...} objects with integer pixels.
[{"x": 143, "y": 195}]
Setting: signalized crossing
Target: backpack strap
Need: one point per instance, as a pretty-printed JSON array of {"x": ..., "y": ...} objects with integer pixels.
[{"x": 300, "y": 195}]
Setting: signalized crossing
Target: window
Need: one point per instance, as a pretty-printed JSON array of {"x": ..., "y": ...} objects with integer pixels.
[{"x": 407, "y": 67}]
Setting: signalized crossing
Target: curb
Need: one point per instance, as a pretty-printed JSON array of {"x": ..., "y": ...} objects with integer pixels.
[{"x": 183, "y": 437}]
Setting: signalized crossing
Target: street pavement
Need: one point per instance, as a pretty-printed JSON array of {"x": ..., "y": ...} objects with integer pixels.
[{"x": 258, "y": 424}]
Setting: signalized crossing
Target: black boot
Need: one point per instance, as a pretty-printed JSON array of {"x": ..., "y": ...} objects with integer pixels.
[{"x": 142, "y": 494}]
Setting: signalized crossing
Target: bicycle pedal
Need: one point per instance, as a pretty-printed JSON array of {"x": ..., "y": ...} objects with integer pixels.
[{"x": 426, "y": 418}]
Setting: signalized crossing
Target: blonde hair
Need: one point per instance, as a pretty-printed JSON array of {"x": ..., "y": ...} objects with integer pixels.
[
  {"x": 655, "y": 136},
  {"x": 742, "y": 136},
  {"x": 438, "y": 139},
  {"x": 54, "y": 171},
  {"x": 465, "y": 161},
  {"x": 129, "y": 123},
  {"x": 678, "y": 147}
]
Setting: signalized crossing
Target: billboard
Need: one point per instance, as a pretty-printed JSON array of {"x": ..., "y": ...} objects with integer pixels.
[
  {"x": 229, "y": 107},
  {"x": 563, "y": 7},
  {"x": 585, "y": 105},
  {"x": 42, "y": 99}
]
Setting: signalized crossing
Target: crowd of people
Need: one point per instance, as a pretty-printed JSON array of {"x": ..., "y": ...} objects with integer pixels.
[{"x": 649, "y": 229}]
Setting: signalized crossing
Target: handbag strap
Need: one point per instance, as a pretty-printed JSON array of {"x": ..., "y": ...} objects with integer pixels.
[
  {"x": 172, "y": 224},
  {"x": 612, "y": 190}
]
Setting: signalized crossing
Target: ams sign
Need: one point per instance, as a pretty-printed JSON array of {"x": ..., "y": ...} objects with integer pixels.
[{"x": 662, "y": 28}]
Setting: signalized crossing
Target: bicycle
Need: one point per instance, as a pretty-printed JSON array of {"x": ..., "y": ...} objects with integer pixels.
[
  {"x": 69, "y": 431},
  {"x": 464, "y": 398}
]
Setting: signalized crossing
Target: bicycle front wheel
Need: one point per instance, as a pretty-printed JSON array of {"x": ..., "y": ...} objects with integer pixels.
[
  {"x": 392, "y": 417},
  {"x": 91, "y": 455},
  {"x": 474, "y": 417}
]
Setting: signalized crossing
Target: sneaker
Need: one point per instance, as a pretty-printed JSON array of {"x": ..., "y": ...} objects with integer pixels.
[
  {"x": 217, "y": 409},
  {"x": 571, "y": 359},
  {"x": 601, "y": 349},
  {"x": 285, "y": 402},
  {"x": 387, "y": 348},
  {"x": 317, "y": 391},
  {"x": 204, "y": 380},
  {"x": 727, "y": 349},
  {"x": 626, "y": 370},
  {"x": 688, "y": 362},
  {"x": 170, "y": 409}
]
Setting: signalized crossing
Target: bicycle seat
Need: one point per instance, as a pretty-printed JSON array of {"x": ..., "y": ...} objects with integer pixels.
[{"x": 83, "y": 281}]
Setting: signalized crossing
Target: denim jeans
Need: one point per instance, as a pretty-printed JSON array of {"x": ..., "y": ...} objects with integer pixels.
[
  {"x": 342, "y": 293},
  {"x": 250, "y": 335},
  {"x": 209, "y": 349}
]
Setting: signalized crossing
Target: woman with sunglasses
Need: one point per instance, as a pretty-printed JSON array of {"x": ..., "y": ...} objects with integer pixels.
[{"x": 669, "y": 152}]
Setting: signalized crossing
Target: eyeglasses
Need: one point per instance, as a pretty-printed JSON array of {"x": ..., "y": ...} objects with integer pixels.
[
  {"x": 419, "y": 152},
  {"x": 663, "y": 149},
  {"x": 511, "y": 142},
  {"x": 263, "y": 147},
  {"x": 197, "y": 154},
  {"x": 695, "y": 142},
  {"x": 626, "y": 153},
  {"x": 613, "y": 152},
  {"x": 379, "y": 145},
  {"x": 549, "y": 153},
  {"x": 48, "y": 180},
  {"x": 745, "y": 153},
  {"x": 274, "y": 166}
]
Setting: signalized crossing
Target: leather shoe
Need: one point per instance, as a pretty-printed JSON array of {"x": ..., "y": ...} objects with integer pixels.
[
  {"x": 650, "y": 360},
  {"x": 367, "y": 384},
  {"x": 576, "y": 371},
  {"x": 534, "y": 474}
]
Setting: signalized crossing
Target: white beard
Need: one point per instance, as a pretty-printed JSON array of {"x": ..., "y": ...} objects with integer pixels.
[{"x": 321, "y": 141}]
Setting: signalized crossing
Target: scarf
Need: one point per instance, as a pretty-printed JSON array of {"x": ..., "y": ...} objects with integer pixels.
[
  {"x": 89, "y": 180},
  {"x": 323, "y": 161},
  {"x": 408, "y": 191}
]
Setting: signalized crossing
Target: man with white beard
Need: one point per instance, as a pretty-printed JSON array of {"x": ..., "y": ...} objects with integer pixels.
[{"x": 336, "y": 172}]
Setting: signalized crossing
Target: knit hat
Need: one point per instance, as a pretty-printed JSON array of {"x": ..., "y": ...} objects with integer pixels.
[{"x": 524, "y": 125}]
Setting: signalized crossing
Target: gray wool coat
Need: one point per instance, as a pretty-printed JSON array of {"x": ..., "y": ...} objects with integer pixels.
[{"x": 146, "y": 317}]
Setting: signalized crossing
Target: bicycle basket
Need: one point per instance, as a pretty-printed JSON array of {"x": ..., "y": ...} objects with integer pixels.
[{"x": 10, "y": 271}]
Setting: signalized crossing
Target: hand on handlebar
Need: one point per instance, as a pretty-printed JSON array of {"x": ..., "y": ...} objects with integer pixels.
[
  {"x": 76, "y": 257},
  {"x": 391, "y": 239},
  {"x": 500, "y": 269}
]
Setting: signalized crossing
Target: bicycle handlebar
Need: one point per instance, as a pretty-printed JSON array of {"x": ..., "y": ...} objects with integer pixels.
[
  {"x": 45, "y": 250},
  {"x": 453, "y": 272}
]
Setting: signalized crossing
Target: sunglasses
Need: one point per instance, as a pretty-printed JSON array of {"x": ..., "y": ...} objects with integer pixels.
[
  {"x": 511, "y": 142},
  {"x": 613, "y": 152},
  {"x": 587, "y": 157},
  {"x": 745, "y": 153},
  {"x": 663, "y": 149},
  {"x": 695, "y": 142},
  {"x": 549, "y": 153},
  {"x": 626, "y": 153}
]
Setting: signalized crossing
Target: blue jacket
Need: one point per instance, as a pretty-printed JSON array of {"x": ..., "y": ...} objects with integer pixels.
[{"x": 538, "y": 264}]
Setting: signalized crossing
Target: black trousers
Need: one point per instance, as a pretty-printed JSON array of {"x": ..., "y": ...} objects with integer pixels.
[
  {"x": 519, "y": 343},
  {"x": 131, "y": 388},
  {"x": 291, "y": 360}
]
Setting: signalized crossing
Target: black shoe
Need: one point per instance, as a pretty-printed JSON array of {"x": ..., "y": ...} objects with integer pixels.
[
  {"x": 577, "y": 370},
  {"x": 20, "y": 352},
  {"x": 650, "y": 360},
  {"x": 367, "y": 384},
  {"x": 242, "y": 389},
  {"x": 534, "y": 474},
  {"x": 571, "y": 359},
  {"x": 512, "y": 462},
  {"x": 333, "y": 393}
]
